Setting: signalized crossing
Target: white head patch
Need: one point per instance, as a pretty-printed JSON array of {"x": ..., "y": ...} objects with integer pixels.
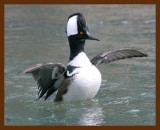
[{"x": 72, "y": 28}]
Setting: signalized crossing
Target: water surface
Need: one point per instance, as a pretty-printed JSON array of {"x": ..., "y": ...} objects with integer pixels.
[{"x": 36, "y": 34}]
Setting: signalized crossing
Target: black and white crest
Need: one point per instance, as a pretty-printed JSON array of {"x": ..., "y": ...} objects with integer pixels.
[{"x": 76, "y": 24}]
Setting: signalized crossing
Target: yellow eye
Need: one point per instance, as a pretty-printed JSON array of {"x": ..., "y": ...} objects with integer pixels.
[{"x": 81, "y": 33}]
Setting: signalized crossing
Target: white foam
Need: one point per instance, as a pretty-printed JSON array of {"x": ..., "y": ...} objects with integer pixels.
[
  {"x": 125, "y": 22},
  {"x": 150, "y": 21},
  {"x": 134, "y": 111}
]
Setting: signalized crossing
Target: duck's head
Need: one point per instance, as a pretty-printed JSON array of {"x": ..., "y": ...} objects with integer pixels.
[{"x": 77, "y": 28}]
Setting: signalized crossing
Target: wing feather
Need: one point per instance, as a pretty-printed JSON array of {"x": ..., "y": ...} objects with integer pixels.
[
  {"x": 111, "y": 56},
  {"x": 49, "y": 77}
]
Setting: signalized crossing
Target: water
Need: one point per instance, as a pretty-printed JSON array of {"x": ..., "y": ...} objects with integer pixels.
[{"x": 36, "y": 34}]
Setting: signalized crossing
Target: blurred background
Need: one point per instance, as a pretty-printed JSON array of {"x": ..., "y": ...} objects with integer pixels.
[{"x": 36, "y": 34}]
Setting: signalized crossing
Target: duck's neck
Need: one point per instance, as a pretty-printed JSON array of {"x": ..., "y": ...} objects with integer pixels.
[{"x": 75, "y": 47}]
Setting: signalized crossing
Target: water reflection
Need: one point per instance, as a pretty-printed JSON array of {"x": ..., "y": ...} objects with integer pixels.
[
  {"x": 73, "y": 113},
  {"x": 92, "y": 116}
]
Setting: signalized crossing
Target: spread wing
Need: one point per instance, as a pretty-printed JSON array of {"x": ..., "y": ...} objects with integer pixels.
[
  {"x": 49, "y": 77},
  {"x": 111, "y": 56}
]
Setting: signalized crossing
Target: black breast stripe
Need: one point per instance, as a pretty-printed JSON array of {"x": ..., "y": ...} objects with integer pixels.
[{"x": 71, "y": 68}]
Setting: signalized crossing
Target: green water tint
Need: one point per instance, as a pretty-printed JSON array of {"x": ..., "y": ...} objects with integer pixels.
[{"x": 36, "y": 34}]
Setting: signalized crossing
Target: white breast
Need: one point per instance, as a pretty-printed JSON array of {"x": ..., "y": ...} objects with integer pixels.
[
  {"x": 81, "y": 61},
  {"x": 86, "y": 82}
]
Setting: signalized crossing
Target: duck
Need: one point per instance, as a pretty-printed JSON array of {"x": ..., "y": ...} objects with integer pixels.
[{"x": 80, "y": 79}]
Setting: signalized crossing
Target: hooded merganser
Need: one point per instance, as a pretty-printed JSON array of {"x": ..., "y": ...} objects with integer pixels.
[{"x": 81, "y": 79}]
